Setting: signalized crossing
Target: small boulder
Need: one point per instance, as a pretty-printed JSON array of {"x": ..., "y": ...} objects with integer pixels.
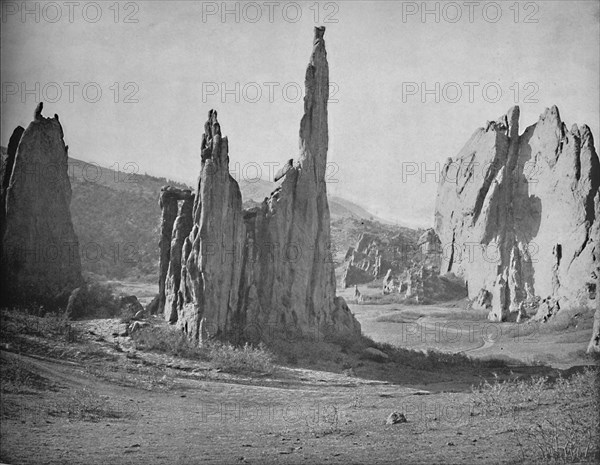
[
  {"x": 547, "y": 309},
  {"x": 395, "y": 418},
  {"x": 129, "y": 304},
  {"x": 136, "y": 326},
  {"x": 375, "y": 354}
]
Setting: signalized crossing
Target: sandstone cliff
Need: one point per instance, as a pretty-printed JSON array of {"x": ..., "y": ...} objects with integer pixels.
[
  {"x": 518, "y": 215},
  {"x": 40, "y": 252},
  {"x": 264, "y": 270}
]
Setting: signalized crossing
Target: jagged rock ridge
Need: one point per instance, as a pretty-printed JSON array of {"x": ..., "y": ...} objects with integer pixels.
[
  {"x": 40, "y": 259},
  {"x": 266, "y": 268},
  {"x": 518, "y": 215}
]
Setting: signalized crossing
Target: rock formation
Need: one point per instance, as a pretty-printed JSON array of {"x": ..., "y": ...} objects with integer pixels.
[
  {"x": 40, "y": 259},
  {"x": 171, "y": 212},
  {"x": 518, "y": 215},
  {"x": 363, "y": 262},
  {"x": 430, "y": 249},
  {"x": 374, "y": 255},
  {"x": 266, "y": 269},
  {"x": 423, "y": 284}
]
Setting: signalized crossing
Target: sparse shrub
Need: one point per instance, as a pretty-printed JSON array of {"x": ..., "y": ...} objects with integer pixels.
[
  {"x": 35, "y": 321},
  {"x": 95, "y": 300},
  {"x": 167, "y": 340},
  {"x": 227, "y": 357},
  {"x": 567, "y": 433},
  {"x": 19, "y": 377},
  {"x": 87, "y": 405},
  {"x": 240, "y": 359}
]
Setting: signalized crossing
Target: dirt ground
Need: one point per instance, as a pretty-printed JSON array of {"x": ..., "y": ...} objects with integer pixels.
[
  {"x": 451, "y": 328},
  {"x": 101, "y": 401}
]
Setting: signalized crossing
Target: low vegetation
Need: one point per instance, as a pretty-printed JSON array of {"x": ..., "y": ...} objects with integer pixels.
[
  {"x": 223, "y": 356},
  {"x": 553, "y": 421},
  {"x": 95, "y": 300},
  {"x": 19, "y": 322},
  {"x": 348, "y": 352}
]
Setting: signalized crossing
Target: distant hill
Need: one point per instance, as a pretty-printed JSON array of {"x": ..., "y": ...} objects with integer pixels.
[
  {"x": 116, "y": 217},
  {"x": 339, "y": 208}
]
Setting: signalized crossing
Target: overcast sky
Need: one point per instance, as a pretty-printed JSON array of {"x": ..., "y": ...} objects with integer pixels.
[{"x": 160, "y": 66}]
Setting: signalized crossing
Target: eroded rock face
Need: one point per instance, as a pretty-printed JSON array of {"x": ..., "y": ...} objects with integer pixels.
[
  {"x": 40, "y": 252},
  {"x": 373, "y": 255},
  {"x": 517, "y": 215},
  {"x": 170, "y": 198},
  {"x": 431, "y": 248},
  {"x": 269, "y": 267}
]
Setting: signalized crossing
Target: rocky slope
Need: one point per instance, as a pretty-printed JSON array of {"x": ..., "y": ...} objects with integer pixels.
[
  {"x": 115, "y": 214},
  {"x": 518, "y": 216},
  {"x": 40, "y": 252},
  {"x": 268, "y": 268}
]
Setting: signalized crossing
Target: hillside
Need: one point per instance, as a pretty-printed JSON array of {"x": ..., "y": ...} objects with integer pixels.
[{"x": 116, "y": 217}]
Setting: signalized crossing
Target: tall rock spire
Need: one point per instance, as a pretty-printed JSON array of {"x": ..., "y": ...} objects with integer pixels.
[
  {"x": 268, "y": 270},
  {"x": 40, "y": 259}
]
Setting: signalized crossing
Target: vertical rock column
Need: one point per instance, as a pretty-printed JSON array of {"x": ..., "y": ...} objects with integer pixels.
[
  {"x": 40, "y": 259},
  {"x": 294, "y": 275},
  {"x": 181, "y": 229},
  {"x": 269, "y": 268},
  {"x": 211, "y": 263},
  {"x": 169, "y": 200}
]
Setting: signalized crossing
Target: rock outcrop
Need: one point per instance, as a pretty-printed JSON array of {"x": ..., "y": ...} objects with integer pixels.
[
  {"x": 375, "y": 254},
  {"x": 594, "y": 345},
  {"x": 267, "y": 269},
  {"x": 363, "y": 262},
  {"x": 40, "y": 259},
  {"x": 518, "y": 215},
  {"x": 430, "y": 248},
  {"x": 174, "y": 219},
  {"x": 423, "y": 284}
]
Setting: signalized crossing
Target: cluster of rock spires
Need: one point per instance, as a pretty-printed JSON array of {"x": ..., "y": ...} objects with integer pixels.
[
  {"x": 39, "y": 259},
  {"x": 225, "y": 271},
  {"x": 364, "y": 262},
  {"x": 377, "y": 255},
  {"x": 518, "y": 216},
  {"x": 410, "y": 268},
  {"x": 422, "y": 282}
]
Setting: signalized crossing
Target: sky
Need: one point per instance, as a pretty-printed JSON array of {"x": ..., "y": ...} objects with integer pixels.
[{"x": 132, "y": 83}]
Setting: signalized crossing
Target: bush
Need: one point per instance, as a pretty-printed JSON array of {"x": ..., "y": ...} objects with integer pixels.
[
  {"x": 240, "y": 359},
  {"x": 94, "y": 300},
  {"x": 36, "y": 321},
  {"x": 226, "y": 357},
  {"x": 569, "y": 428},
  {"x": 167, "y": 340}
]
